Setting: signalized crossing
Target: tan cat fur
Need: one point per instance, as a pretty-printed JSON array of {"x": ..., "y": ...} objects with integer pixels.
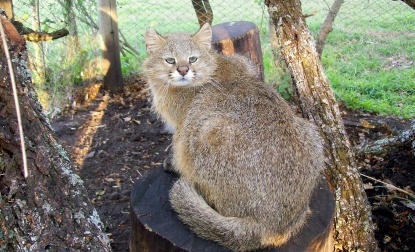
[{"x": 247, "y": 164}]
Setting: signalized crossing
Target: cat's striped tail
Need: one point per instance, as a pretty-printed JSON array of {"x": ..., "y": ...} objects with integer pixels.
[{"x": 237, "y": 234}]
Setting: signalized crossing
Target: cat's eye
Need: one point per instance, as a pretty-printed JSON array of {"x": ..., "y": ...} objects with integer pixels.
[
  {"x": 170, "y": 60},
  {"x": 192, "y": 59}
]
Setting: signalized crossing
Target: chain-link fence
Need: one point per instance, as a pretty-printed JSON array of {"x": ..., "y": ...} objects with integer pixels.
[
  {"x": 60, "y": 65},
  {"x": 70, "y": 60}
]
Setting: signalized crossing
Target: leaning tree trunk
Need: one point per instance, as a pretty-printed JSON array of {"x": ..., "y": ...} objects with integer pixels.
[
  {"x": 327, "y": 25},
  {"x": 203, "y": 11},
  {"x": 353, "y": 225},
  {"x": 48, "y": 210}
]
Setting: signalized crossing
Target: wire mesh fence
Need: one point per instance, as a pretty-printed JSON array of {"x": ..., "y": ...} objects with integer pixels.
[{"x": 58, "y": 65}]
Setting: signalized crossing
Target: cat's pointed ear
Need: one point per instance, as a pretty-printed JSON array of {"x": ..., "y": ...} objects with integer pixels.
[
  {"x": 204, "y": 36},
  {"x": 153, "y": 40}
]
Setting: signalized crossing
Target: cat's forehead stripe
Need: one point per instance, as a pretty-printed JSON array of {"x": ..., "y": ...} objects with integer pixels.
[{"x": 187, "y": 48}]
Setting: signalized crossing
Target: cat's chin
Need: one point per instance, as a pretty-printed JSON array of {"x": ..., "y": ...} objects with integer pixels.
[{"x": 181, "y": 83}]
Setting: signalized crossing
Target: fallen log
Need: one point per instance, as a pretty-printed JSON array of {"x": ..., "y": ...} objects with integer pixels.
[{"x": 386, "y": 144}]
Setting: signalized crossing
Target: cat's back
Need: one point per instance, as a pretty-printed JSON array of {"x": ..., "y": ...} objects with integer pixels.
[
  {"x": 235, "y": 91},
  {"x": 234, "y": 68},
  {"x": 239, "y": 107}
]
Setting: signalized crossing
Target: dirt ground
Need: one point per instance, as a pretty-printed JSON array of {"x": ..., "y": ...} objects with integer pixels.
[{"x": 115, "y": 140}]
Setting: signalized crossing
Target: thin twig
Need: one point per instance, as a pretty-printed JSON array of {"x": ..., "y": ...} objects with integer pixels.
[
  {"x": 390, "y": 185},
  {"x": 16, "y": 100}
]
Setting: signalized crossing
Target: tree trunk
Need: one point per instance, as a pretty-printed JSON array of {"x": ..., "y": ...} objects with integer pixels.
[
  {"x": 353, "y": 225},
  {"x": 279, "y": 62},
  {"x": 410, "y": 3},
  {"x": 203, "y": 11},
  {"x": 327, "y": 25},
  {"x": 37, "y": 62},
  {"x": 7, "y": 6},
  {"x": 110, "y": 46},
  {"x": 70, "y": 20},
  {"x": 49, "y": 210}
]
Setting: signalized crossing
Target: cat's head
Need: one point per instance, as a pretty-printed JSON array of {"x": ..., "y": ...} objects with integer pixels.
[{"x": 180, "y": 59}]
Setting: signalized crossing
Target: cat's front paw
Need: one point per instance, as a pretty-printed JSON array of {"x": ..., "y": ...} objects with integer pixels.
[{"x": 167, "y": 165}]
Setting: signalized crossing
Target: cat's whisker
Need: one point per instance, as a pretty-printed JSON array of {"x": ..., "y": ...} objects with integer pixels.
[
  {"x": 164, "y": 91},
  {"x": 207, "y": 89},
  {"x": 218, "y": 86}
]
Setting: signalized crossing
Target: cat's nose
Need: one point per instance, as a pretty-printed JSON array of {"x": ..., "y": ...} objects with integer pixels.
[{"x": 183, "y": 70}]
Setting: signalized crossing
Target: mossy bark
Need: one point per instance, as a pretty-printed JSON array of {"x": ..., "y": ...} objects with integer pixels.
[
  {"x": 49, "y": 210},
  {"x": 352, "y": 223}
]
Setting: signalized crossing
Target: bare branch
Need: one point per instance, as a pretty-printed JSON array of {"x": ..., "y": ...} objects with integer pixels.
[
  {"x": 327, "y": 25},
  {"x": 383, "y": 145},
  {"x": 126, "y": 46}
]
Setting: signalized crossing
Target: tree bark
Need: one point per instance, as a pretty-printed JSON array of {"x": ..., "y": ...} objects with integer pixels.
[
  {"x": 72, "y": 41},
  {"x": 384, "y": 145},
  {"x": 7, "y": 6},
  {"x": 279, "y": 62},
  {"x": 410, "y": 3},
  {"x": 352, "y": 223},
  {"x": 327, "y": 25},
  {"x": 110, "y": 46},
  {"x": 49, "y": 210},
  {"x": 34, "y": 36},
  {"x": 37, "y": 62},
  {"x": 203, "y": 11}
]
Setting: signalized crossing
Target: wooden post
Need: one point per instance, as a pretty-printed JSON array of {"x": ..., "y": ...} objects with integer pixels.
[
  {"x": 156, "y": 227},
  {"x": 239, "y": 37},
  {"x": 111, "y": 62}
]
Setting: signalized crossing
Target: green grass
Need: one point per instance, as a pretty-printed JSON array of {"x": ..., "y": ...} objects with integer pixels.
[
  {"x": 371, "y": 70},
  {"x": 370, "y": 65},
  {"x": 367, "y": 57},
  {"x": 358, "y": 57}
]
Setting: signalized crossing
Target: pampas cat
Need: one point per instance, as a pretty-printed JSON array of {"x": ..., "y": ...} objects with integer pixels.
[{"x": 247, "y": 164}]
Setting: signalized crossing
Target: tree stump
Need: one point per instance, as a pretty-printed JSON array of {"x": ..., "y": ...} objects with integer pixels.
[
  {"x": 156, "y": 227},
  {"x": 239, "y": 37}
]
